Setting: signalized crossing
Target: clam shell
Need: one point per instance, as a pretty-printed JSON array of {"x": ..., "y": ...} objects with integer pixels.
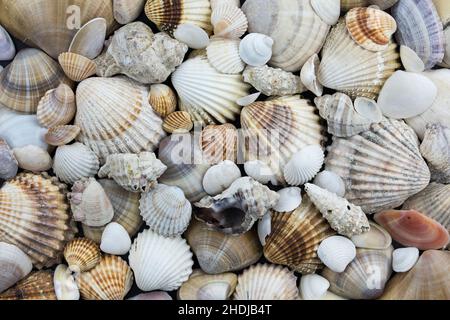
[
  {"x": 304, "y": 165},
  {"x": 223, "y": 55},
  {"x": 330, "y": 181},
  {"x": 218, "y": 178},
  {"x": 37, "y": 285},
  {"x": 191, "y": 35},
  {"x": 126, "y": 11},
  {"x": 14, "y": 265},
  {"x": 162, "y": 99},
  {"x": 329, "y": 12},
  {"x": 57, "y": 107},
  {"x": 229, "y": 21},
  {"x": 7, "y": 47},
  {"x": 61, "y": 135},
  {"x": 290, "y": 199},
  {"x": 33, "y": 158},
  {"x": 435, "y": 148},
  {"x": 65, "y": 285},
  {"x": 178, "y": 121},
  {"x": 82, "y": 255},
  {"x": 88, "y": 41},
  {"x": 202, "y": 286},
  {"x": 404, "y": 259},
  {"x": 115, "y": 240},
  {"x": 219, "y": 143},
  {"x": 376, "y": 238},
  {"x": 313, "y": 287},
  {"x": 336, "y": 253},
  {"x": 308, "y": 75},
  {"x": 8, "y": 163},
  {"x": 256, "y": 49},
  {"x": 77, "y": 67}
]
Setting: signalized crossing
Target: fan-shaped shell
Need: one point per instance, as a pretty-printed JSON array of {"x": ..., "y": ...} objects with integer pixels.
[
  {"x": 57, "y": 107},
  {"x": 61, "y": 135},
  {"x": 223, "y": 54},
  {"x": 336, "y": 253},
  {"x": 126, "y": 11},
  {"x": 435, "y": 148},
  {"x": 14, "y": 265},
  {"x": 219, "y": 143},
  {"x": 304, "y": 165},
  {"x": 178, "y": 121},
  {"x": 162, "y": 99},
  {"x": 202, "y": 286},
  {"x": 77, "y": 67},
  {"x": 228, "y": 21},
  {"x": 88, "y": 41},
  {"x": 82, "y": 255},
  {"x": 37, "y": 285}
]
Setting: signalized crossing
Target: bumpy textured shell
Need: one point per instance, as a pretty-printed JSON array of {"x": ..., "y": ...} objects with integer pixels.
[
  {"x": 37, "y": 286},
  {"x": 82, "y": 254},
  {"x": 381, "y": 168},
  {"x": 76, "y": 67},
  {"x": 202, "y": 286},
  {"x": 295, "y": 237},
  {"x": 435, "y": 148},
  {"x": 34, "y": 216},
  {"x": 57, "y": 107},
  {"x": 219, "y": 143}
]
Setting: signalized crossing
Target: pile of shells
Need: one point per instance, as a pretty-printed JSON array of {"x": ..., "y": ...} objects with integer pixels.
[{"x": 224, "y": 149}]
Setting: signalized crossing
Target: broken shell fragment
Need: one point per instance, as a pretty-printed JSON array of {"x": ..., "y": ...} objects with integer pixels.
[{"x": 65, "y": 285}]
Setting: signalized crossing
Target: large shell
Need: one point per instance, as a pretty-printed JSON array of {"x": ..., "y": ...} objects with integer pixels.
[
  {"x": 7, "y": 47},
  {"x": 201, "y": 286},
  {"x": 126, "y": 11},
  {"x": 8, "y": 163},
  {"x": 34, "y": 216},
  {"x": 381, "y": 168},
  {"x": 37, "y": 286},
  {"x": 82, "y": 255},
  {"x": 88, "y": 41},
  {"x": 353, "y": 70},
  {"x": 218, "y": 252},
  {"x": 298, "y": 32},
  {"x": 57, "y": 107},
  {"x": 26, "y": 80},
  {"x": 115, "y": 117},
  {"x": 14, "y": 265},
  {"x": 295, "y": 237},
  {"x": 435, "y": 148},
  {"x": 223, "y": 54},
  {"x": 219, "y": 143}
]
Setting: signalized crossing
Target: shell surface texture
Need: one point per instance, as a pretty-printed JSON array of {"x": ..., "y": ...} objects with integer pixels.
[
  {"x": 57, "y": 107},
  {"x": 82, "y": 255},
  {"x": 38, "y": 285}
]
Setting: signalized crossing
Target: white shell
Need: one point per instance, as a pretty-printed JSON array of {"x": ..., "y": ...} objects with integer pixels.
[
  {"x": 219, "y": 177},
  {"x": 329, "y": 11},
  {"x": 7, "y": 48},
  {"x": 313, "y": 287},
  {"x": 115, "y": 240},
  {"x": 65, "y": 285},
  {"x": 308, "y": 75},
  {"x": 228, "y": 21},
  {"x": 264, "y": 228},
  {"x": 192, "y": 35},
  {"x": 216, "y": 3},
  {"x": 173, "y": 257},
  {"x": 290, "y": 199},
  {"x": 330, "y": 181},
  {"x": 14, "y": 265},
  {"x": 411, "y": 60},
  {"x": 256, "y": 49},
  {"x": 88, "y": 41},
  {"x": 304, "y": 165},
  {"x": 33, "y": 158},
  {"x": 336, "y": 252},
  {"x": 404, "y": 259},
  {"x": 223, "y": 54},
  {"x": 247, "y": 100},
  {"x": 406, "y": 95},
  {"x": 260, "y": 171}
]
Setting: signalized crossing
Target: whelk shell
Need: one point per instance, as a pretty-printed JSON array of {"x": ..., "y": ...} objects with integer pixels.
[
  {"x": 313, "y": 287},
  {"x": 37, "y": 285},
  {"x": 178, "y": 121},
  {"x": 61, "y": 135},
  {"x": 115, "y": 240},
  {"x": 76, "y": 67},
  {"x": 435, "y": 148},
  {"x": 88, "y": 41},
  {"x": 14, "y": 265},
  {"x": 304, "y": 165},
  {"x": 126, "y": 11},
  {"x": 218, "y": 178},
  {"x": 228, "y": 21},
  {"x": 57, "y": 107},
  {"x": 65, "y": 285},
  {"x": 255, "y": 49},
  {"x": 202, "y": 286},
  {"x": 336, "y": 253},
  {"x": 162, "y": 99},
  {"x": 82, "y": 255},
  {"x": 404, "y": 259},
  {"x": 223, "y": 54}
]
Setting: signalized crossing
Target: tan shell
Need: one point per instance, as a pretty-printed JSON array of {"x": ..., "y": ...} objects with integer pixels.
[
  {"x": 228, "y": 21},
  {"x": 61, "y": 135},
  {"x": 178, "y": 121},
  {"x": 37, "y": 285},
  {"x": 57, "y": 107},
  {"x": 77, "y": 67},
  {"x": 202, "y": 286},
  {"x": 88, "y": 41},
  {"x": 82, "y": 255},
  {"x": 219, "y": 143},
  {"x": 126, "y": 11},
  {"x": 162, "y": 99}
]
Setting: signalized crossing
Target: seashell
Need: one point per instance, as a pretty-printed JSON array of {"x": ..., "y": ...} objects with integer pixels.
[
  {"x": 264, "y": 228},
  {"x": 51, "y": 27},
  {"x": 376, "y": 238},
  {"x": 88, "y": 41},
  {"x": 277, "y": 129},
  {"x": 290, "y": 199},
  {"x": 400, "y": 97},
  {"x": 76, "y": 67},
  {"x": 219, "y": 177},
  {"x": 371, "y": 28},
  {"x": 308, "y": 75},
  {"x": 414, "y": 229},
  {"x": 14, "y": 265},
  {"x": 155, "y": 295},
  {"x": 115, "y": 117},
  {"x": 34, "y": 216},
  {"x": 202, "y": 286},
  {"x": 435, "y": 148},
  {"x": 33, "y": 158},
  {"x": 266, "y": 282},
  {"x": 115, "y": 240},
  {"x": 304, "y": 165},
  {"x": 126, "y": 11},
  {"x": 218, "y": 252},
  {"x": 313, "y": 287},
  {"x": 389, "y": 152},
  {"x": 420, "y": 28},
  {"x": 65, "y": 285},
  {"x": 57, "y": 107},
  {"x": 90, "y": 204},
  {"x": 209, "y": 96},
  {"x": 382, "y": 4},
  {"x": 219, "y": 143},
  {"x": 248, "y": 100},
  {"x": 61, "y": 135},
  {"x": 74, "y": 162},
  {"x": 223, "y": 55},
  {"x": 82, "y": 255},
  {"x": 260, "y": 171},
  {"x": 235, "y": 210},
  {"x": 336, "y": 253},
  {"x": 298, "y": 32},
  {"x": 328, "y": 12},
  {"x": 178, "y": 121},
  {"x": 273, "y": 82},
  {"x": 7, "y": 47},
  {"x": 168, "y": 15},
  {"x": 38, "y": 285},
  {"x": 344, "y": 217},
  {"x": 410, "y": 60},
  {"x": 229, "y": 21},
  {"x": 174, "y": 261},
  {"x": 295, "y": 237},
  {"x": 330, "y": 181},
  {"x": 111, "y": 279},
  {"x": 256, "y": 49},
  {"x": 8, "y": 163},
  {"x": 191, "y": 35},
  {"x": 365, "y": 277},
  {"x": 404, "y": 259},
  {"x": 427, "y": 280},
  {"x": 444, "y": 13},
  {"x": 166, "y": 210},
  {"x": 162, "y": 99},
  {"x": 133, "y": 172},
  {"x": 27, "y": 78},
  {"x": 216, "y": 3}
]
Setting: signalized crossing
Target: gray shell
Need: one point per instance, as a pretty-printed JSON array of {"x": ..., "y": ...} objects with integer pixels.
[
  {"x": 435, "y": 148},
  {"x": 8, "y": 163}
]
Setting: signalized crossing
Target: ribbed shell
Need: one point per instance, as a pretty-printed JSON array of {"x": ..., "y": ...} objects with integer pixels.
[
  {"x": 37, "y": 286},
  {"x": 115, "y": 117},
  {"x": 82, "y": 255},
  {"x": 381, "y": 168},
  {"x": 34, "y": 216},
  {"x": 223, "y": 55},
  {"x": 57, "y": 107},
  {"x": 202, "y": 286},
  {"x": 435, "y": 148},
  {"x": 228, "y": 21},
  {"x": 219, "y": 143},
  {"x": 178, "y": 121},
  {"x": 61, "y": 135},
  {"x": 77, "y": 67},
  {"x": 295, "y": 237},
  {"x": 162, "y": 99}
]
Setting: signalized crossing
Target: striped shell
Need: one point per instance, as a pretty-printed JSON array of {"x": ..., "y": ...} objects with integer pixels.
[
  {"x": 37, "y": 285},
  {"x": 228, "y": 21},
  {"x": 178, "y": 121},
  {"x": 223, "y": 55},
  {"x": 57, "y": 107},
  {"x": 219, "y": 143},
  {"x": 76, "y": 67},
  {"x": 162, "y": 99},
  {"x": 82, "y": 255},
  {"x": 61, "y": 135}
]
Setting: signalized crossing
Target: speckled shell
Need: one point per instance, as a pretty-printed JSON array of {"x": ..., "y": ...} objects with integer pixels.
[
  {"x": 37, "y": 286},
  {"x": 202, "y": 286},
  {"x": 219, "y": 143},
  {"x": 57, "y": 107},
  {"x": 61, "y": 135},
  {"x": 178, "y": 121},
  {"x": 162, "y": 99},
  {"x": 126, "y": 11},
  {"x": 14, "y": 265},
  {"x": 76, "y": 67},
  {"x": 82, "y": 255}
]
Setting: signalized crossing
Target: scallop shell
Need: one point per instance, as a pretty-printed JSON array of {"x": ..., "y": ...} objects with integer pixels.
[
  {"x": 223, "y": 55},
  {"x": 295, "y": 238},
  {"x": 126, "y": 11},
  {"x": 313, "y": 287},
  {"x": 229, "y": 21},
  {"x": 329, "y": 12},
  {"x": 376, "y": 238},
  {"x": 88, "y": 41},
  {"x": 7, "y": 47},
  {"x": 266, "y": 282},
  {"x": 304, "y": 165},
  {"x": 57, "y": 107},
  {"x": 65, "y": 285},
  {"x": 162, "y": 99},
  {"x": 61, "y": 135},
  {"x": 290, "y": 199},
  {"x": 82, "y": 255},
  {"x": 382, "y": 4},
  {"x": 8, "y": 163},
  {"x": 218, "y": 252},
  {"x": 115, "y": 240},
  {"x": 381, "y": 168},
  {"x": 178, "y": 121},
  {"x": 111, "y": 279},
  {"x": 202, "y": 286},
  {"x": 298, "y": 32},
  {"x": 14, "y": 265},
  {"x": 77, "y": 67},
  {"x": 218, "y": 178},
  {"x": 330, "y": 181},
  {"x": 256, "y": 49},
  {"x": 37, "y": 285},
  {"x": 174, "y": 261},
  {"x": 404, "y": 259},
  {"x": 219, "y": 143},
  {"x": 191, "y": 35},
  {"x": 336, "y": 253},
  {"x": 26, "y": 80},
  {"x": 308, "y": 75},
  {"x": 435, "y": 148}
]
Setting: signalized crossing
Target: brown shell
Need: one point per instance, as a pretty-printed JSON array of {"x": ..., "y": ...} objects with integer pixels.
[
  {"x": 219, "y": 143},
  {"x": 202, "y": 286},
  {"x": 36, "y": 286},
  {"x": 57, "y": 107},
  {"x": 61, "y": 135},
  {"x": 179, "y": 121},
  {"x": 162, "y": 99},
  {"x": 77, "y": 67},
  {"x": 82, "y": 254}
]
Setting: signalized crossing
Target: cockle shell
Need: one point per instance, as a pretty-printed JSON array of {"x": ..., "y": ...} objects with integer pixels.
[
  {"x": 65, "y": 285},
  {"x": 435, "y": 148},
  {"x": 330, "y": 181},
  {"x": 235, "y": 210},
  {"x": 37, "y": 285},
  {"x": 76, "y": 67},
  {"x": 8, "y": 163},
  {"x": 329, "y": 12},
  {"x": 308, "y": 75},
  {"x": 412, "y": 228},
  {"x": 219, "y": 143},
  {"x": 26, "y": 80},
  {"x": 209, "y": 96},
  {"x": 61, "y": 135},
  {"x": 228, "y": 21},
  {"x": 57, "y": 107},
  {"x": 313, "y": 287},
  {"x": 304, "y": 165},
  {"x": 223, "y": 54},
  {"x": 344, "y": 217},
  {"x": 404, "y": 259},
  {"x": 266, "y": 282},
  {"x": 7, "y": 47},
  {"x": 290, "y": 199},
  {"x": 111, "y": 279},
  {"x": 126, "y": 11},
  {"x": 260, "y": 171},
  {"x": 166, "y": 210},
  {"x": 336, "y": 253},
  {"x": 353, "y": 70},
  {"x": 410, "y": 60},
  {"x": 88, "y": 41},
  {"x": 202, "y": 286},
  {"x": 34, "y": 216},
  {"x": 14, "y": 265},
  {"x": 298, "y": 32},
  {"x": 162, "y": 99},
  {"x": 376, "y": 238},
  {"x": 382, "y": 4},
  {"x": 174, "y": 261},
  {"x": 255, "y": 49},
  {"x": 191, "y": 35},
  {"x": 115, "y": 117},
  {"x": 178, "y": 121},
  {"x": 82, "y": 255},
  {"x": 381, "y": 168},
  {"x": 115, "y": 240},
  {"x": 219, "y": 177},
  {"x": 218, "y": 252},
  {"x": 295, "y": 237}
]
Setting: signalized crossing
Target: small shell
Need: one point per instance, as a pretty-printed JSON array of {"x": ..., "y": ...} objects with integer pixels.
[
  {"x": 88, "y": 41},
  {"x": 202, "y": 286},
  {"x": 260, "y": 171},
  {"x": 8, "y": 163},
  {"x": 229, "y": 21},
  {"x": 329, "y": 12},
  {"x": 191, "y": 35},
  {"x": 14, "y": 265},
  {"x": 178, "y": 121},
  {"x": 126, "y": 11},
  {"x": 330, "y": 181},
  {"x": 57, "y": 107},
  {"x": 82, "y": 255},
  {"x": 256, "y": 49},
  {"x": 218, "y": 178},
  {"x": 65, "y": 285},
  {"x": 290, "y": 199},
  {"x": 404, "y": 259},
  {"x": 7, "y": 47},
  {"x": 33, "y": 158},
  {"x": 77, "y": 67},
  {"x": 304, "y": 165},
  {"x": 219, "y": 143},
  {"x": 336, "y": 253},
  {"x": 435, "y": 148},
  {"x": 308, "y": 75},
  {"x": 61, "y": 135},
  {"x": 37, "y": 285},
  {"x": 410, "y": 60},
  {"x": 115, "y": 240},
  {"x": 162, "y": 99},
  {"x": 376, "y": 238},
  {"x": 313, "y": 287},
  {"x": 223, "y": 54}
]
